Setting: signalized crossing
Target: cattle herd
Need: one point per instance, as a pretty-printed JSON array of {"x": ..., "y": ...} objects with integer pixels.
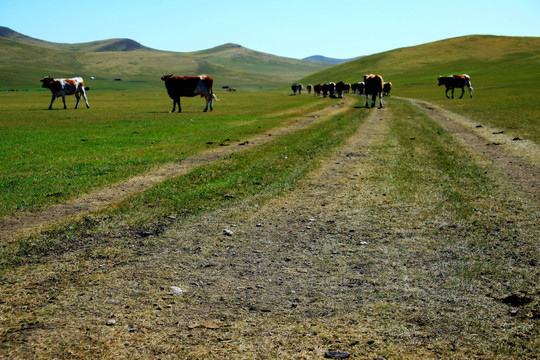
[
  {"x": 373, "y": 85},
  {"x": 190, "y": 86}
]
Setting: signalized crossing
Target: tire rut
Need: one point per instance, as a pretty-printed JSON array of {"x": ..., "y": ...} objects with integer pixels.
[
  {"x": 12, "y": 226},
  {"x": 517, "y": 158}
]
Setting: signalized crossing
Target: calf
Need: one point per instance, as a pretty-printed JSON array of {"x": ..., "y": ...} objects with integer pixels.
[{"x": 63, "y": 87}]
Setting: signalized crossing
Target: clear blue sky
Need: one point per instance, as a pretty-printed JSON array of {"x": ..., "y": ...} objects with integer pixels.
[{"x": 292, "y": 28}]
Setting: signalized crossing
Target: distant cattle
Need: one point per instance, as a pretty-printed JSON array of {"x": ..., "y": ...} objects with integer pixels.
[
  {"x": 309, "y": 88},
  {"x": 189, "y": 86},
  {"x": 329, "y": 89},
  {"x": 300, "y": 88},
  {"x": 374, "y": 86},
  {"x": 456, "y": 81},
  {"x": 317, "y": 89},
  {"x": 63, "y": 87},
  {"x": 341, "y": 87},
  {"x": 387, "y": 88},
  {"x": 358, "y": 88},
  {"x": 294, "y": 88}
]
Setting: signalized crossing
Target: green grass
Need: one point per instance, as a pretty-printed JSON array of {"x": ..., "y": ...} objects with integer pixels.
[
  {"x": 51, "y": 156},
  {"x": 267, "y": 170}
]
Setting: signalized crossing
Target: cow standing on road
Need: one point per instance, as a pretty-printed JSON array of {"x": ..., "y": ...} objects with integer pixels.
[
  {"x": 189, "y": 86},
  {"x": 456, "y": 81},
  {"x": 63, "y": 87},
  {"x": 374, "y": 86}
]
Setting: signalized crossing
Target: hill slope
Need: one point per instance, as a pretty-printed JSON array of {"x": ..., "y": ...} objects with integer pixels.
[
  {"x": 414, "y": 70},
  {"x": 23, "y": 60}
]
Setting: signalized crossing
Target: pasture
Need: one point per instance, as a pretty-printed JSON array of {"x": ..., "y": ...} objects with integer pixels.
[
  {"x": 374, "y": 232},
  {"x": 276, "y": 226}
]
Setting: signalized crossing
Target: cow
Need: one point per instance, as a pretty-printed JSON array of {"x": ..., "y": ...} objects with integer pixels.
[
  {"x": 317, "y": 89},
  {"x": 294, "y": 88},
  {"x": 387, "y": 87},
  {"x": 341, "y": 87},
  {"x": 329, "y": 89},
  {"x": 456, "y": 81},
  {"x": 189, "y": 86},
  {"x": 309, "y": 88},
  {"x": 63, "y": 87},
  {"x": 374, "y": 86},
  {"x": 358, "y": 88},
  {"x": 300, "y": 87}
]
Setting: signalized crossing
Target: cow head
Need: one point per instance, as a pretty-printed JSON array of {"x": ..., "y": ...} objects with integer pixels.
[
  {"x": 441, "y": 80},
  {"x": 47, "y": 82},
  {"x": 166, "y": 77}
]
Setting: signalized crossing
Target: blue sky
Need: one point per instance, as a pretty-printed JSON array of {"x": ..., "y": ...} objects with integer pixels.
[{"x": 295, "y": 28}]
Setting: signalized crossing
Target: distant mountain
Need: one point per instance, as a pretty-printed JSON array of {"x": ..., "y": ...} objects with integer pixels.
[
  {"x": 97, "y": 46},
  {"x": 24, "y": 59},
  {"x": 325, "y": 59}
]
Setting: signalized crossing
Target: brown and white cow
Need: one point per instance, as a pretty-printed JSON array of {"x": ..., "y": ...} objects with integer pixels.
[
  {"x": 387, "y": 88},
  {"x": 63, "y": 87},
  {"x": 374, "y": 84},
  {"x": 189, "y": 86},
  {"x": 456, "y": 81}
]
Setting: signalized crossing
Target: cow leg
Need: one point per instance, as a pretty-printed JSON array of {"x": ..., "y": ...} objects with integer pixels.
[
  {"x": 64, "y": 100},
  {"x": 380, "y": 100},
  {"x": 462, "y": 92},
  {"x": 470, "y": 91},
  {"x": 52, "y": 100},
  {"x": 367, "y": 100},
  {"x": 453, "y": 93},
  {"x": 177, "y": 100},
  {"x": 85, "y": 99},
  {"x": 78, "y": 97}
]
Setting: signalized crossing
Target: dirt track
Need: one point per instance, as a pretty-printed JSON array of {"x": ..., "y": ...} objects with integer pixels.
[
  {"x": 519, "y": 159},
  {"x": 303, "y": 273},
  {"x": 10, "y": 226}
]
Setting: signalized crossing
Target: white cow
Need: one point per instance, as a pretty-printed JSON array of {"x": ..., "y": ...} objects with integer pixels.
[{"x": 63, "y": 87}]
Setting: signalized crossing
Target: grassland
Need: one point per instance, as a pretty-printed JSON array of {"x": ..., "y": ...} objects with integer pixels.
[
  {"x": 504, "y": 72},
  {"x": 376, "y": 232}
]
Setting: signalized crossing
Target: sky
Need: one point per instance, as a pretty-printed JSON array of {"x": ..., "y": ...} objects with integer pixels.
[{"x": 340, "y": 29}]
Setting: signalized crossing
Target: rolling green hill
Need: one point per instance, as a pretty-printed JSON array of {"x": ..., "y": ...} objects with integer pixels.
[
  {"x": 504, "y": 74},
  {"x": 491, "y": 61},
  {"x": 23, "y": 60}
]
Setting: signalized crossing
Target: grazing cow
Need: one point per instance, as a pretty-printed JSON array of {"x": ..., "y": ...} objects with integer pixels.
[
  {"x": 317, "y": 89},
  {"x": 189, "y": 86},
  {"x": 374, "y": 86},
  {"x": 300, "y": 87},
  {"x": 386, "y": 88},
  {"x": 63, "y": 87},
  {"x": 294, "y": 88},
  {"x": 456, "y": 81},
  {"x": 341, "y": 87},
  {"x": 309, "y": 88}
]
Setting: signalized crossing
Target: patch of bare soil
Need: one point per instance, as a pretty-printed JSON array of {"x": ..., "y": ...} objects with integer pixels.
[
  {"x": 518, "y": 158},
  {"x": 12, "y": 225}
]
